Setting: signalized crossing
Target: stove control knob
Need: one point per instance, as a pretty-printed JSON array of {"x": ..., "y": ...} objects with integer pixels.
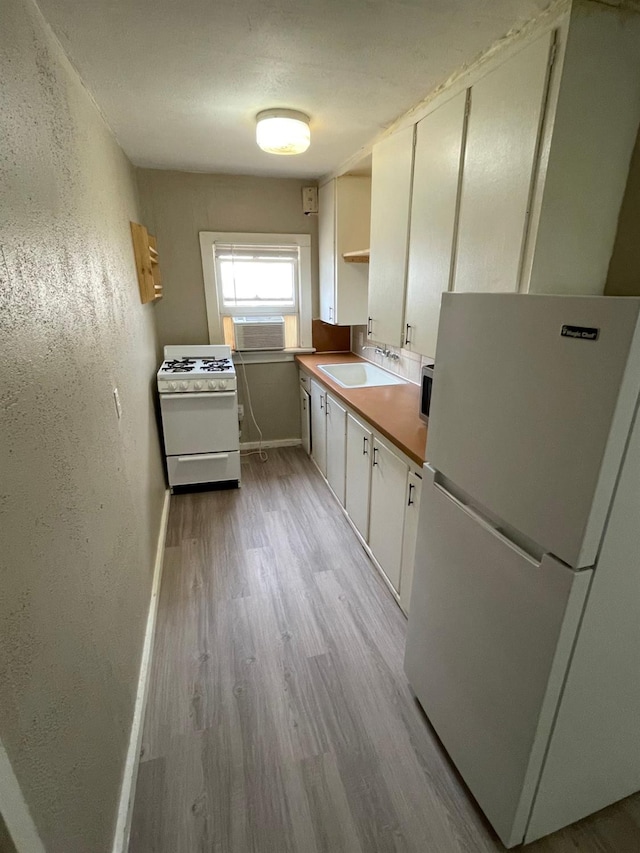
[
  {"x": 212, "y": 385},
  {"x": 197, "y": 386},
  {"x": 222, "y": 384},
  {"x": 184, "y": 386},
  {"x": 171, "y": 386}
]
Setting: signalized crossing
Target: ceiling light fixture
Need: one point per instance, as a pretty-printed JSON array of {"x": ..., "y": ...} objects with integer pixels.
[{"x": 282, "y": 131}]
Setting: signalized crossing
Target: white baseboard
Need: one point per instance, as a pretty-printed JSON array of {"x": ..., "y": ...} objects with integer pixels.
[
  {"x": 278, "y": 442},
  {"x": 130, "y": 775}
]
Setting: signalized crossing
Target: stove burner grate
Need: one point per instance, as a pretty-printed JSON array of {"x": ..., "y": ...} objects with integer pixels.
[
  {"x": 178, "y": 365},
  {"x": 216, "y": 364}
]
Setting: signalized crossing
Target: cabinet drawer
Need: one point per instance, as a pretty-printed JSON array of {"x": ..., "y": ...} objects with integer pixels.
[{"x": 203, "y": 468}]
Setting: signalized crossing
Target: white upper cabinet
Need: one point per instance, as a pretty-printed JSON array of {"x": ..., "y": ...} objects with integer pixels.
[
  {"x": 436, "y": 178},
  {"x": 391, "y": 178},
  {"x": 505, "y": 122},
  {"x": 327, "y": 250},
  {"x": 592, "y": 128},
  {"x": 344, "y": 213}
]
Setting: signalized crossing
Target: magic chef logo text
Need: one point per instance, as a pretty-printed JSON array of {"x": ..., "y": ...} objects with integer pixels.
[{"x": 583, "y": 333}]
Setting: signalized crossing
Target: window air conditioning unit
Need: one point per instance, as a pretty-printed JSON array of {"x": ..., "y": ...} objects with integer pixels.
[{"x": 261, "y": 333}]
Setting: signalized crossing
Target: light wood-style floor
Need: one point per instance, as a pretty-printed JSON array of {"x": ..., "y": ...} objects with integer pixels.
[{"x": 279, "y": 718}]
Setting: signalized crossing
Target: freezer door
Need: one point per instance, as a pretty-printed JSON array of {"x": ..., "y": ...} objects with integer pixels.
[
  {"x": 489, "y": 638},
  {"x": 531, "y": 422}
]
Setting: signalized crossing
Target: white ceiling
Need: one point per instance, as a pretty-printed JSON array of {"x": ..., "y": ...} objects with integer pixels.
[{"x": 180, "y": 81}]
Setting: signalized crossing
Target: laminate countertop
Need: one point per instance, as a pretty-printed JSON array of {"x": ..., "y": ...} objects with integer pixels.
[{"x": 391, "y": 409}]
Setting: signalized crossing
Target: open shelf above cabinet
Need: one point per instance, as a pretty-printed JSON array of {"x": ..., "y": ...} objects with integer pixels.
[
  {"x": 361, "y": 257},
  {"x": 147, "y": 264}
]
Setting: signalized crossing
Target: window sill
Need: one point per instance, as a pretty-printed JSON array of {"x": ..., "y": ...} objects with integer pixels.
[{"x": 269, "y": 356}]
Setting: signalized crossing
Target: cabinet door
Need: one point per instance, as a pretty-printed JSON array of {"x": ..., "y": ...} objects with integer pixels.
[
  {"x": 500, "y": 156},
  {"x": 391, "y": 175},
  {"x": 318, "y": 427},
  {"x": 336, "y": 445},
  {"x": 358, "y": 480},
  {"x": 386, "y": 519},
  {"x": 353, "y": 216},
  {"x": 412, "y": 512},
  {"x": 436, "y": 178},
  {"x": 327, "y": 250},
  {"x": 305, "y": 419}
]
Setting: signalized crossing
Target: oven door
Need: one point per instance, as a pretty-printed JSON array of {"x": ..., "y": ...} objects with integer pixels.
[{"x": 200, "y": 423}]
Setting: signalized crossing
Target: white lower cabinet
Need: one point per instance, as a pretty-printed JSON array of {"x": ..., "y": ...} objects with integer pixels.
[
  {"x": 336, "y": 429},
  {"x": 318, "y": 426},
  {"x": 386, "y": 516},
  {"x": 305, "y": 419},
  {"x": 378, "y": 486},
  {"x": 412, "y": 511},
  {"x": 358, "y": 479}
]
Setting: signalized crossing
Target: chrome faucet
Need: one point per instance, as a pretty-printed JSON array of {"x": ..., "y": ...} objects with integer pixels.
[{"x": 386, "y": 352}]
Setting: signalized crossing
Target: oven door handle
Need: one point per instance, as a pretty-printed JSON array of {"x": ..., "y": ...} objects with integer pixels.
[
  {"x": 202, "y": 457},
  {"x": 188, "y": 394}
]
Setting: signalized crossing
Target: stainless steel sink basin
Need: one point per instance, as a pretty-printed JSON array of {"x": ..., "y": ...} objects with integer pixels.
[{"x": 360, "y": 375}]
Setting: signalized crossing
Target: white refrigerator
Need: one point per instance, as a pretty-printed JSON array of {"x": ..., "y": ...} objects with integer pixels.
[{"x": 523, "y": 642}]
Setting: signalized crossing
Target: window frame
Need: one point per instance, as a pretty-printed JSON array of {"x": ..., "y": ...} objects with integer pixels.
[{"x": 208, "y": 240}]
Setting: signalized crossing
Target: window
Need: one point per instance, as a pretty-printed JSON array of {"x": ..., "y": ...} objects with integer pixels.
[
  {"x": 257, "y": 274},
  {"x": 256, "y": 279}
]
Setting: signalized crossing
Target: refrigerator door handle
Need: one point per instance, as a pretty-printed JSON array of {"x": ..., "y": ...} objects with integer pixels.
[{"x": 534, "y": 559}]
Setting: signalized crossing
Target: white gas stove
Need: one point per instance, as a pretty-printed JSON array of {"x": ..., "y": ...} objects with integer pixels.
[
  {"x": 199, "y": 404},
  {"x": 188, "y": 369}
]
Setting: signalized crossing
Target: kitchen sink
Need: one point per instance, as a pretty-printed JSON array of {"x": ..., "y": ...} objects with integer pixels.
[{"x": 361, "y": 375}]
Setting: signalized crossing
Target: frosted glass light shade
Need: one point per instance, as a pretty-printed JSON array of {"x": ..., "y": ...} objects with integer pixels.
[{"x": 283, "y": 131}]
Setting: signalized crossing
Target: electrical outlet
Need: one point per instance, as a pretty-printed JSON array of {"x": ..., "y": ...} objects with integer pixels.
[
  {"x": 240, "y": 412},
  {"x": 116, "y": 400},
  {"x": 360, "y": 339}
]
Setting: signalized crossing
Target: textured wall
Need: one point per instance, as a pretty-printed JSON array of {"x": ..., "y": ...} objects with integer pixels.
[
  {"x": 275, "y": 396},
  {"x": 80, "y": 491},
  {"x": 176, "y": 207}
]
